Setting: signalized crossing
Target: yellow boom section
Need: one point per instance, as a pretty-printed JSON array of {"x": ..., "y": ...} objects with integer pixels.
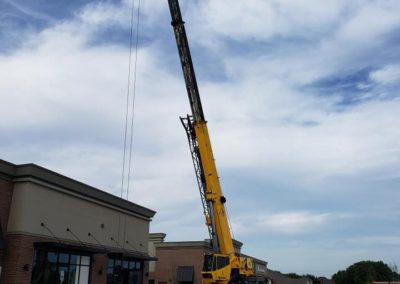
[{"x": 213, "y": 189}]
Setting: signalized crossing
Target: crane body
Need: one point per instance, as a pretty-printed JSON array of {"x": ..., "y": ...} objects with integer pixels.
[{"x": 222, "y": 265}]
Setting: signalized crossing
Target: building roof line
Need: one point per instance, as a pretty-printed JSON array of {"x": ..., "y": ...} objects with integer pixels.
[{"x": 32, "y": 170}]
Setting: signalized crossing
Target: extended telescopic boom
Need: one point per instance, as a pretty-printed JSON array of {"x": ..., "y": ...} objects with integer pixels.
[
  {"x": 223, "y": 266},
  {"x": 213, "y": 200},
  {"x": 186, "y": 60}
]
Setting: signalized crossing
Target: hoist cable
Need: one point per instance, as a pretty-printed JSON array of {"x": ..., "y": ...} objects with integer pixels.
[
  {"x": 133, "y": 96},
  {"x": 229, "y": 222},
  {"x": 133, "y": 102},
  {"x": 126, "y": 114},
  {"x": 127, "y": 98}
]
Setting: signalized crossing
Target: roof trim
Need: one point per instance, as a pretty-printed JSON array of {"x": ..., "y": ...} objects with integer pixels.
[
  {"x": 203, "y": 244},
  {"x": 45, "y": 175}
]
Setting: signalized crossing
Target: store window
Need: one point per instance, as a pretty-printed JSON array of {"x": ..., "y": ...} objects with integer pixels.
[
  {"x": 124, "y": 271},
  {"x": 60, "y": 267}
]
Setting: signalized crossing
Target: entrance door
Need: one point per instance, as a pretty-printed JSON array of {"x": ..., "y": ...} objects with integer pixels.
[{"x": 127, "y": 271}]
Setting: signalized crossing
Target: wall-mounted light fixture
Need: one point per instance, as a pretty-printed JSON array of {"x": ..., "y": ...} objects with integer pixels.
[{"x": 25, "y": 267}]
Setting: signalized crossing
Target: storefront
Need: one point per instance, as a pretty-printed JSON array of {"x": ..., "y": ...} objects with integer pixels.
[{"x": 60, "y": 265}]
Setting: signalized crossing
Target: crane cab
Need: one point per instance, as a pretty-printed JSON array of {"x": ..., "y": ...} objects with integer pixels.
[{"x": 216, "y": 268}]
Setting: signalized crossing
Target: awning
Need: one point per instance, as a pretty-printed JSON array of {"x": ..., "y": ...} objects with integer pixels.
[
  {"x": 131, "y": 254},
  {"x": 93, "y": 250},
  {"x": 1, "y": 238},
  {"x": 70, "y": 247},
  {"x": 185, "y": 274}
]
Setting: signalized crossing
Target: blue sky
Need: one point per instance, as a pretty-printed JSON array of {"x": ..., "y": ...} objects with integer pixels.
[{"x": 301, "y": 97}]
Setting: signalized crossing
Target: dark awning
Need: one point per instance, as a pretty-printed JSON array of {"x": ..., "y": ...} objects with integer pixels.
[
  {"x": 92, "y": 250},
  {"x": 131, "y": 254},
  {"x": 1, "y": 238},
  {"x": 70, "y": 247},
  {"x": 185, "y": 274}
]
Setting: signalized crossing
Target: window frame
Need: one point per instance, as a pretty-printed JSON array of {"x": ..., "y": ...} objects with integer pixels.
[
  {"x": 118, "y": 276},
  {"x": 44, "y": 260}
]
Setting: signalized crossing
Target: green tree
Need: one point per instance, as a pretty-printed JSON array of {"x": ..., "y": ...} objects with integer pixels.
[
  {"x": 293, "y": 275},
  {"x": 364, "y": 272},
  {"x": 309, "y": 276}
]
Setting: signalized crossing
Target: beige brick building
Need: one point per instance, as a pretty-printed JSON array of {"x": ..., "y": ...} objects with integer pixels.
[{"x": 54, "y": 229}]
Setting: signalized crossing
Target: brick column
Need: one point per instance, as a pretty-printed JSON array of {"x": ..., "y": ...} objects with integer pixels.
[
  {"x": 19, "y": 254},
  {"x": 98, "y": 274},
  {"x": 6, "y": 192}
]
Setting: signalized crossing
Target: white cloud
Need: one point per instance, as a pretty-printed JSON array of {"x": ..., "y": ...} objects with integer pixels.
[
  {"x": 263, "y": 20},
  {"x": 292, "y": 222},
  {"x": 387, "y": 75},
  {"x": 268, "y": 131},
  {"x": 322, "y": 38},
  {"x": 29, "y": 12},
  {"x": 100, "y": 14},
  {"x": 390, "y": 240}
]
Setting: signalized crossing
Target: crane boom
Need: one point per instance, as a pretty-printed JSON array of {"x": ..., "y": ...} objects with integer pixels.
[
  {"x": 196, "y": 127},
  {"x": 186, "y": 60},
  {"x": 222, "y": 266}
]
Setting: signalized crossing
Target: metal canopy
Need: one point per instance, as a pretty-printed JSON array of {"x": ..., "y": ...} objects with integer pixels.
[
  {"x": 1, "y": 238},
  {"x": 68, "y": 246},
  {"x": 132, "y": 254},
  {"x": 93, "y": 250}
]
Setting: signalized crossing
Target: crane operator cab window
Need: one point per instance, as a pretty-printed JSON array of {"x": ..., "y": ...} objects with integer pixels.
[
  {"x": 214, "y": 262},
  {"x": 208, "y": 261}
]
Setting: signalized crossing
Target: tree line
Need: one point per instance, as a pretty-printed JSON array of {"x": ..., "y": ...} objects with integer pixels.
[{"x": 363, "y": 272}]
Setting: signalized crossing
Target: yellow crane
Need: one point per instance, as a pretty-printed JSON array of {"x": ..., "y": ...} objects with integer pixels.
[{"x": 223, "y": 265}]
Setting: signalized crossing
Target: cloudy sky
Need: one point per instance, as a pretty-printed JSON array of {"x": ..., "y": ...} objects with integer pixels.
[{"x": 302, "y": 99}]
